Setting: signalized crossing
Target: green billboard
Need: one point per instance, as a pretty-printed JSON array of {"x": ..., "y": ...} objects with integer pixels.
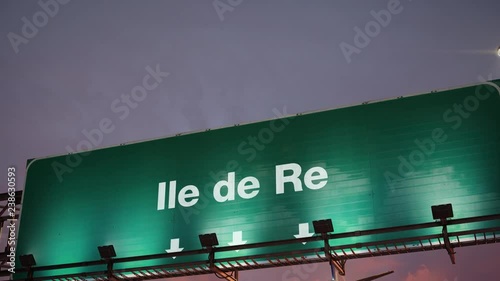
[{"x": 373, "y": 165}]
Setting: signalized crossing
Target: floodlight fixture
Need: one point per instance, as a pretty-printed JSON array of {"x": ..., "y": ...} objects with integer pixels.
[
  {"x": 107, "y": 252},
  {"x": 209, "y": 240},
  {"x": 323, "y": 226},
  {"x": 27, "y": 260},
  {"x": 442, "y": 212},
  {"x": 498, "y": 51}
]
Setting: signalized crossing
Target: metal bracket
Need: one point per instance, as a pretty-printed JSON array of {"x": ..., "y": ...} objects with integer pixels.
[
  {"x": 30, "y": 274},
  {"x": 339, "y": 264},
  {"x": 109, "y": 270},
  {"x": 447, "y": 243},
  {"x": 233, "y": 276}
]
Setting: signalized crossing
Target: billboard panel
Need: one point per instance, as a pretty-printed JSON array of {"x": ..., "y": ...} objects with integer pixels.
[{"x": 369, "y": 166}]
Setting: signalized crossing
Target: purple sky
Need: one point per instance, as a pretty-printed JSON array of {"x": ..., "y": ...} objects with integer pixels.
[{"x": 231, "y": 66}]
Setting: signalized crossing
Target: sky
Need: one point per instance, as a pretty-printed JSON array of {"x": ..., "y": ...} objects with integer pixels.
[{"x": 63, "y": 64}]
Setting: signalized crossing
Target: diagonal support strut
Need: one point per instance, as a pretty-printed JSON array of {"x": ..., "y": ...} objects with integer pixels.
[
  {"x": 339, "y": 264},
  {"x": 447, "y": 243},
  {"x": 219, "y": 272}
]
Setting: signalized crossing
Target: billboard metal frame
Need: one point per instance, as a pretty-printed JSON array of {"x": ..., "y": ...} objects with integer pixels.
[{"x": 336, "y": 255}]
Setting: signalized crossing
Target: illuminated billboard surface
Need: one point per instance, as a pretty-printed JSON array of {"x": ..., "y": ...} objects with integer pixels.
[{"x": 368, "y": 166}]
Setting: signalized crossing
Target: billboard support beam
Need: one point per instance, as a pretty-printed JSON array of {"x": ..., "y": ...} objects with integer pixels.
[
  {"x": 338, "y": 264},
  {"x": 224, "y": 275},
  {"x": 447, "y": 243},
  {"x": 109, "y": 269},
  {"x": 442, "y": 213},
  {"x": 217, "y": 271},
  {"x": 30, "y": 274},
  {"x": 323, "y": 227}
]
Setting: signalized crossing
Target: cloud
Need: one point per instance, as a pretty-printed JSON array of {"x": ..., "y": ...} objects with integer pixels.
[{"x": 424, "y": 274}]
